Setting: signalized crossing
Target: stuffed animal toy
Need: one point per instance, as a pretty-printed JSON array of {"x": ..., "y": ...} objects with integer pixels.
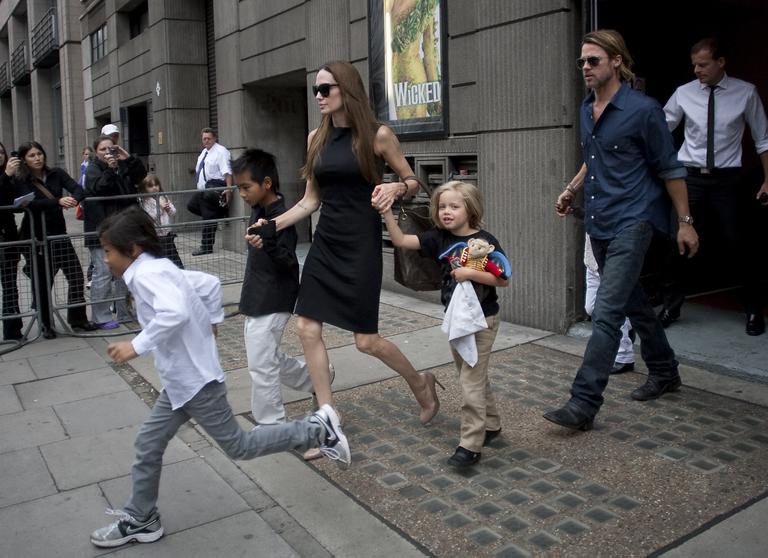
[{"x": 479, "y": 254}]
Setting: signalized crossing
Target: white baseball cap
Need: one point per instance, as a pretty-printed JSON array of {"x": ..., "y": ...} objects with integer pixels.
[{"x": 109, "y": 129}]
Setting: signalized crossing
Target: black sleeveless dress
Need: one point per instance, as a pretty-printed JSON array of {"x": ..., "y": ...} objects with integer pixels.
[{"x": 341, "y": 279}]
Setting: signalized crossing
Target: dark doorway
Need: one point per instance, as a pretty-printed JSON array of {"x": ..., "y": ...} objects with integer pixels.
[
  {"x": 659, "y": 35},
  {"x": 138, "y": 130}
]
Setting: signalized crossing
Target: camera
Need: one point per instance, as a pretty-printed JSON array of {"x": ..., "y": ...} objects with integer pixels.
[
  {"x": 112, "y": 150},
  {"x": 15, "y": 154}
]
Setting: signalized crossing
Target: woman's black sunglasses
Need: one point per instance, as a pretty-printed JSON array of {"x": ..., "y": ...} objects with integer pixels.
[{"x": 324, "y": 89}]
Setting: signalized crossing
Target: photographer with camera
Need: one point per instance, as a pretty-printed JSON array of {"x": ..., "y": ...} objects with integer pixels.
[{"x": 113, "y": 172}]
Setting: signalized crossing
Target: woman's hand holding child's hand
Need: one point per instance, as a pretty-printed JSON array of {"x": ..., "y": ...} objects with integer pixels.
[{"x": 121, "y": 352}]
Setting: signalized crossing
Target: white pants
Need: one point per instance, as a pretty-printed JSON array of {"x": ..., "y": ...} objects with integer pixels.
[
  {"x": 626, "y": 352},
  {"x": 269, "y": 367}
]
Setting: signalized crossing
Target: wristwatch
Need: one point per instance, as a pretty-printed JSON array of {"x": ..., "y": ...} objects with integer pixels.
[{"x": 687, "y": 219}]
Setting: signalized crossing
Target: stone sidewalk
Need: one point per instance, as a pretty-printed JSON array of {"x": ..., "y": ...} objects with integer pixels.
[{"x": 650, "y": 477}]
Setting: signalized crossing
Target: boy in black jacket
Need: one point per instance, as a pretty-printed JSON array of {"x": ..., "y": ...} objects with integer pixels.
[{"x": 269, "y": 290}]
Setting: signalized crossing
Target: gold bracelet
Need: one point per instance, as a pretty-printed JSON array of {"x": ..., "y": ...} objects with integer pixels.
[{"x": 301, "y": 205}]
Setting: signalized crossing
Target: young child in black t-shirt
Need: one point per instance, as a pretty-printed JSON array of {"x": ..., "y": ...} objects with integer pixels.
[{"x": 457, "y": 211}]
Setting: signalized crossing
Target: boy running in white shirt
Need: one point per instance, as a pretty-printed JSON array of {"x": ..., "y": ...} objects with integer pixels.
[{"x": 178, "y": 312}]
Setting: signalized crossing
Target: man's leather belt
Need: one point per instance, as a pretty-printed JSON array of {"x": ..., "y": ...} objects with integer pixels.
[{"x": 698, "y": 171}]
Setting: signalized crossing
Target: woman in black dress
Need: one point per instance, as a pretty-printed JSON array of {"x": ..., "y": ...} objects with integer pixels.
[
  {"x": 48, "y": 184},
  {"x": 341, "y": 279}
]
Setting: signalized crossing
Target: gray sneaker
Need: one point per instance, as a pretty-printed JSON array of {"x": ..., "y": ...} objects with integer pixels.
[
  {"x": 335, "y": 445},
  {"x": 127, "y": 529}
]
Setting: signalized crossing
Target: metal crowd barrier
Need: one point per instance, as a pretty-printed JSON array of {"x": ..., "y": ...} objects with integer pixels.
[
  {"x": 69, "y": 251},
  {"x": 19, "y": 282}
]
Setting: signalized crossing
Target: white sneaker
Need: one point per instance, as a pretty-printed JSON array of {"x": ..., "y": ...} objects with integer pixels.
[
  {"x": 127, "y": 529},
  {"x": 335, "y": 445}
]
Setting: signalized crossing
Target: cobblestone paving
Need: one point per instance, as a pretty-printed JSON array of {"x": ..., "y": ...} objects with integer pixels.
[
  {"x": 648, "y": 474},
  {"x": 392, "y": 321}
]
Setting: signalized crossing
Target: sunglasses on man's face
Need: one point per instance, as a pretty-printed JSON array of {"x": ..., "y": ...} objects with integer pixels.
[
  {"x": 591, "y": 60},
  {"x": 324, "y": 89}
]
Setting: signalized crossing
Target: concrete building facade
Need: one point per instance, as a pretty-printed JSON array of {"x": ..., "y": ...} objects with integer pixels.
[{"x": 41, "y": 85}]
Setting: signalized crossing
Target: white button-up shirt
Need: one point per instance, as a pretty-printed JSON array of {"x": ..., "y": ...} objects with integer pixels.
[
  {"x": 736, "y": 103},
  {"x": 176, "y": 309},
  {"x": 217, "y": 165}
]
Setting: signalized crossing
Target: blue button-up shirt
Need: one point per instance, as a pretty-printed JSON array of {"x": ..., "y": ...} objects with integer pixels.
[{"x": 629, "y": 153}]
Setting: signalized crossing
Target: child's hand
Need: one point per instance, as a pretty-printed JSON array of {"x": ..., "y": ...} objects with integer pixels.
[
  {"x": 167, "y": 205},
  {"x": 461, "y": 274},
  {"x": 254, "y": 240},
  {"x": 121, "y": 352}
]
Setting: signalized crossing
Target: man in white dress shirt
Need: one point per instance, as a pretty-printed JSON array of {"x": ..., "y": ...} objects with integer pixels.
[
  {"x": 716, "y": 107},
  {"x": 212, "y": 170}
]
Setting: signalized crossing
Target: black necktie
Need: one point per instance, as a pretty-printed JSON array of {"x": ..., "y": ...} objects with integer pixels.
[{"x": 711, "y": 128}]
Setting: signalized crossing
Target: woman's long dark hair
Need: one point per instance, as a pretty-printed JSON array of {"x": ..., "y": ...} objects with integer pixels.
[
  {"x": 5, "y": 159},
  {"x": 25, "y": 148},
  {"x": 360, "y": 117}
]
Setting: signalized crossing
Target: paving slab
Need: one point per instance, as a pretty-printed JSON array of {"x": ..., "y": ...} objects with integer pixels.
[
  {"x": 244, "y": 534},
  {"x": 28, "y": 429},
  {"x": 73, "y": 387},
  {"x": 65, "y": 362},
  {"x": 15, "y": 372},
  {"x": 99, "y": 457},
  {"x": 102, "y": 413},
  {"x": 9, "y": 402},
  {"x": 648, "y": 474},
  {"x": 191, "y": 494},
  {"x": 24, "y": 477},
  {"x": 45, "y": 347},
  {"x": 338, "y": 522},
  {"x": 57, "y": 525},
  {"x": 743, "y": 535}
]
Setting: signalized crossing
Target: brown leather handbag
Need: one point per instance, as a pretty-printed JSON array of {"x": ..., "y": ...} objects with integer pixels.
[{"x": 411, "y": 269}]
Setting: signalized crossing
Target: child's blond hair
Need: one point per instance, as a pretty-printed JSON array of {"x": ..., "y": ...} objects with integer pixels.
[{"x": 473, "y": 201}]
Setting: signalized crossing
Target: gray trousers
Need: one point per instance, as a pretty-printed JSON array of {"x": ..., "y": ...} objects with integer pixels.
[{"x": 210, "y": 408}]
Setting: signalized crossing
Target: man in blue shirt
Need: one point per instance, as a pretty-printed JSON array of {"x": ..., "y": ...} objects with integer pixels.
[{"x": 629, "y": 175}]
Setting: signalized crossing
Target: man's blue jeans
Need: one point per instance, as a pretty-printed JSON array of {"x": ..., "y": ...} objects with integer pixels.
[{"x": 620, "y": 261}]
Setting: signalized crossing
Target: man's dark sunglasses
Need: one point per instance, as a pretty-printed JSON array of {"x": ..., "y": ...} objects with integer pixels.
[
  {"x": 324, "y": 89},
  {"x": 591, "y": 60}
]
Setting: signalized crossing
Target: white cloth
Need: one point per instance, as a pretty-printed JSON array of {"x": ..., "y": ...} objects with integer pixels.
[
  {"x": 269, "y": 367},
  {"x": 160, "y": 216},
  {"x": 589, "y": 258},
  {"x": 736, "y": 102},
  {"x": 463, "y": 317},
  {"x": 626, "y": 352},
  {"x": 217, "y": 165},
  {"x": 176, "y": 309}
]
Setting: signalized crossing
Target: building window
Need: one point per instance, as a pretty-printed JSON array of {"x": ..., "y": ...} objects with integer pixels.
[
  {"x": 99, "y": 43},
  {"x": 138, "y": 19}
]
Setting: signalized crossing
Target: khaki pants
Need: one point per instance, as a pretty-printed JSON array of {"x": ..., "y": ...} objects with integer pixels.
[{"x": 478, "y": 409}]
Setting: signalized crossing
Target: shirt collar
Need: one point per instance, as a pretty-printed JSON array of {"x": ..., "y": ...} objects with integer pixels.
[
  {"x": 618, "y": 100},
  {"x": 130, "y": 271},
  {"x": 722, "y": 84}
]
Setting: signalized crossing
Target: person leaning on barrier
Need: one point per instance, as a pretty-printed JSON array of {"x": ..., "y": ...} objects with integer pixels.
[
  {"x": 48, "y": 186},
  {"x": 113, "y": 172},
  {"x": 9, "y": 257}
]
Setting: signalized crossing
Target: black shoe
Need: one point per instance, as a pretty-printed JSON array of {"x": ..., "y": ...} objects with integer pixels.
[
  {"x": 755, "y": 324},
  {"x": 570, "y": 416},
  {"x": 85, "y": 326},
  {"x": 621, "y": 367},
  {"x": 202, "y": 251},
  {"x": 666, "y": 317},
  {"x": 463, "y": 458},
  {"x": 653, "y": 388},
  {"x": 48, "y": 333},
  {"x": 490, "y": 436}
]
